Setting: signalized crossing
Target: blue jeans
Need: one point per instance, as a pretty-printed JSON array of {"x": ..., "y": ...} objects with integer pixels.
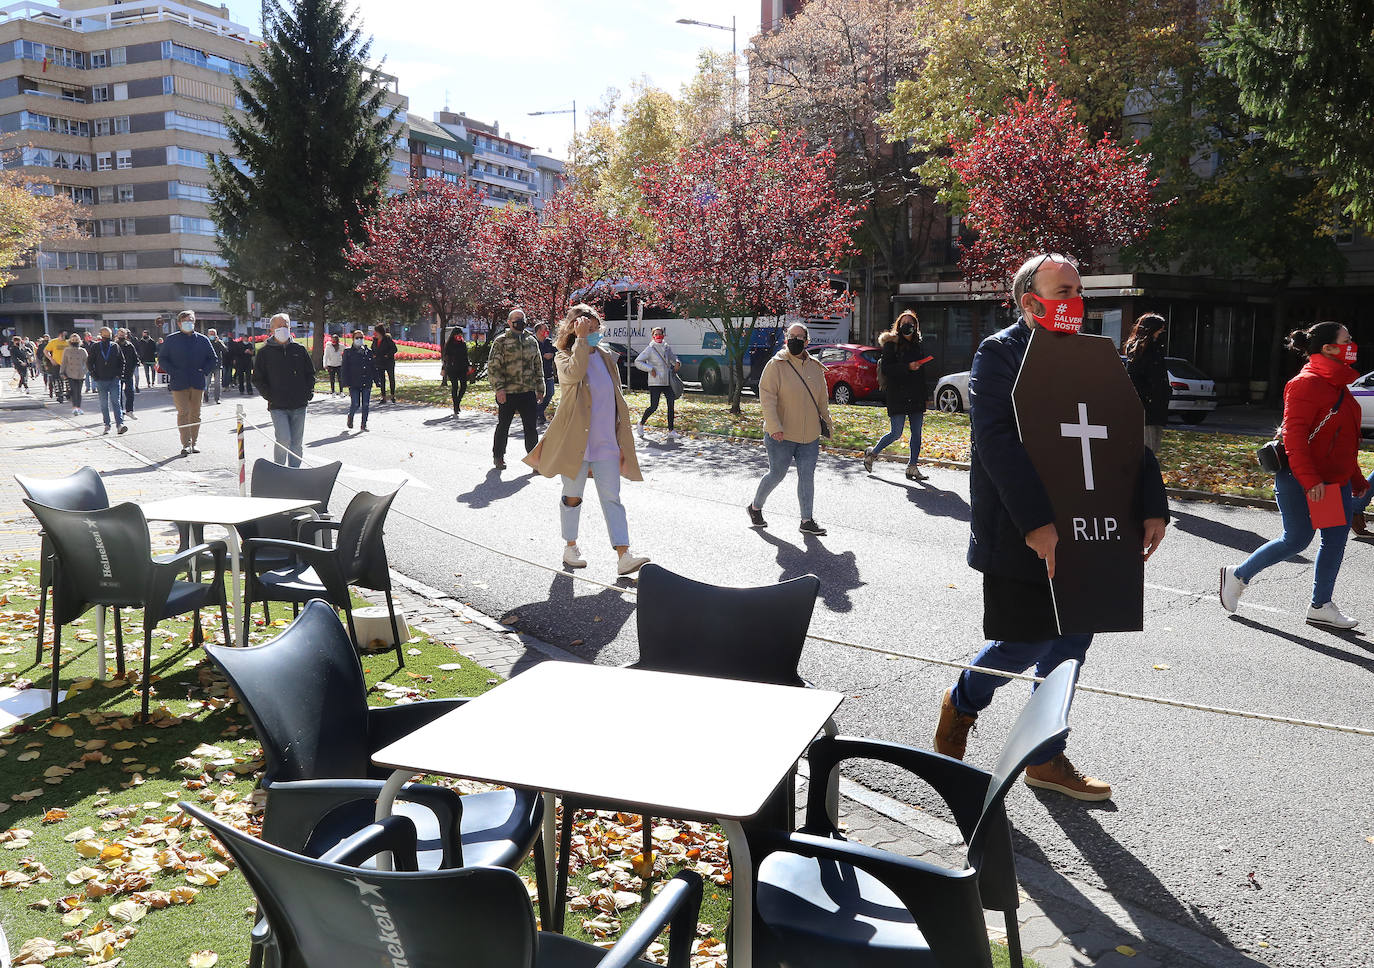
[
  {"x": 606, "y": 474},
  {"x": 109, "y": 391},
  {"x": 1359, "y": 504},
  {"x": 359, "y": 398},
  {"x": 895, "y": 434},
  {"x": 289, "y": 426},
  {"x": 973, "y": 692},
  {"x": 1297, "y": 535},
  {"x": 549, "y": 385},
  {"x": 781, "y": 454}
]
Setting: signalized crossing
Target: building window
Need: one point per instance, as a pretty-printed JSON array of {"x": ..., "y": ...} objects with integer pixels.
[
  {"x": 109, "y": 260},
  {"x": 100, "y": 92},
  {"x": 106, "y": 194},
  {"x": 214, "y": 62},
  {"x": 189, "y": 157},
  {"x": 103, "y": 161},
  {"x": 127, "y": 226},
  {"x": 199, "y": 258},
  {"x": 99, "y": 58},
  {"x": 124, "y": 159},
  {"x": 118, "y": 56},
  {"x": 126, "y": 193},
  {"x": 131, "y": 260},
  {"x": 109, "y": 228},
  {"x": 189, "y": 190},
  {"x": 131, "y": 293},
  {"x": 114, "y": 294},
  {"x": 191, "y": 225},
  {"x": 121, "y": 92},
  {"x": 108, "y": 126}
]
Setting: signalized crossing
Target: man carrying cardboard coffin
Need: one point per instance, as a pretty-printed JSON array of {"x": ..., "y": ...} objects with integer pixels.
[{"x": 1062, "y": 488}]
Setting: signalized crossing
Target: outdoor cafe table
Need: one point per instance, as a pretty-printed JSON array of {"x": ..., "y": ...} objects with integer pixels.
[
  {"x": 517, "y": 734},
  {"x": 229, "y": 512}
]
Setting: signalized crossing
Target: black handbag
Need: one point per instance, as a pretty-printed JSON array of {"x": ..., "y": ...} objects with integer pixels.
[{"x": 1272, "y": 455}]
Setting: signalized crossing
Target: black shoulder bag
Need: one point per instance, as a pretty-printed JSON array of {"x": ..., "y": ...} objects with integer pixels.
[{"x": 1272, "y": 455}]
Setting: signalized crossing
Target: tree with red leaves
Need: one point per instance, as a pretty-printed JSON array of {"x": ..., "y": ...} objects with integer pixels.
[
  {"x": 748, "y": 229},
  {"x": 1036, "y": 183},
  {"x": 574, "y": 249},
  {"x": 425, "y": 248}
]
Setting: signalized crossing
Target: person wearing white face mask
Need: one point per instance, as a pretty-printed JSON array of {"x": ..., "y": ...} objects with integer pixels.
[
  {"x": 285, "y": 376},
  {"x": 187, "y": 358},
  {"x": 356, "y": 372}
]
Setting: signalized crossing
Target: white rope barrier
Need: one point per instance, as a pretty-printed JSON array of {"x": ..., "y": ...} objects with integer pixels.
[
  {"x": 91, "y": 434},
  {"x": 879, "y": 650}
]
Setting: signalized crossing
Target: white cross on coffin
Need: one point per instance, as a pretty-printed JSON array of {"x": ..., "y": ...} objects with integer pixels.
[{"x": 1086, "y": 433}]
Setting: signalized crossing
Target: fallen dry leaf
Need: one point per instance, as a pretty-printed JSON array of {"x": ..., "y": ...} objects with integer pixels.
[
  {"x": 61, "y": 731},
  {"x": 203, "y": 959}
]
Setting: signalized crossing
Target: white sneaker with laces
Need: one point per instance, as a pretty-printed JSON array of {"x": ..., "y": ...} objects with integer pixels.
[
  {"x": 572, "y": 557},
  {"x": 1330, "y": 617},
  {"x": 1231, "y": 588},
  {"x": 631, "y": 563},
  {"x": 639, "y": 429}
]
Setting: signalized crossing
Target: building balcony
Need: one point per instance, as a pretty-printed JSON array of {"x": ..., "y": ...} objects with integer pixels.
[{"x": 503, "y": 180}]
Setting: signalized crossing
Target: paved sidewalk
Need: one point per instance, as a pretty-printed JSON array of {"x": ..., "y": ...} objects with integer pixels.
[{"x": 1063, "y": 922}]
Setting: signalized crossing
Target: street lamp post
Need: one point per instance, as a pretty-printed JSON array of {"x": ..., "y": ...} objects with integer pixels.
[
  {"x": 734, "y": 62},
  {"x": 42, "y": 288}
]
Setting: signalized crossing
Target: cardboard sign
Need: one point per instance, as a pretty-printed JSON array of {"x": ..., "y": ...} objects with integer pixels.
[{"x": 1083, "y": 426}]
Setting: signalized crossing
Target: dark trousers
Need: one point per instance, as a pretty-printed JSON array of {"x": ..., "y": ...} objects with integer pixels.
[
  {"x": 129, "y": 391},
  {"x": 148, "y": 373},
  {"x": 244, "y": 375},
  {"x": 335, "y": 377},
  {"x": 384, "y": 369},
  {"x": 550, "y": 384},
  {"x": 74, "y": 387},
  {"x": 457, "y": 386},
  {"x": 525, "y": 404},
  {"x": 654, "y": 394}
]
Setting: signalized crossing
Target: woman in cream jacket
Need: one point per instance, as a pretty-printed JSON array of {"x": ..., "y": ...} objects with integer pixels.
[{"x": 590, "y": 436}]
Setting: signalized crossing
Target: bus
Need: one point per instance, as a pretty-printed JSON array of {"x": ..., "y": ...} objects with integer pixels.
[{"x": 630, "y": 319}]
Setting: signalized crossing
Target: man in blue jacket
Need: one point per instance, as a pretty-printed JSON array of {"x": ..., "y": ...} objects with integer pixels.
[
  {"x": 187, "y": 357},
  {"x": 1013, "y": 534}
]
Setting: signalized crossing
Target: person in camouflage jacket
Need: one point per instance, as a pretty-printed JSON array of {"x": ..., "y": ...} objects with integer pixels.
[{"x": 516, "y": 372}]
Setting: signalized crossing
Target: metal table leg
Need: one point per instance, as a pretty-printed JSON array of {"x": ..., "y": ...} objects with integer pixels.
[
  {"x": 99, "y": 643},
  {"x": 741, "y": 896},
  {"x": 385, "y": 801},
  {"x": 231, "y": 538}
]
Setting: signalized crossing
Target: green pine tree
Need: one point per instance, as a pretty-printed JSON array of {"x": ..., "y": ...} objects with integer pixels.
[{"x": 312, "y": 154}]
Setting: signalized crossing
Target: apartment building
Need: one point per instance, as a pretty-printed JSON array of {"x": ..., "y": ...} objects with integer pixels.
[
  {"x": 551, "y": 177},
  {"x": 435, "y": 152},
  {"x": 121, "y": 106},
  {"x": 500, "y": 166}
]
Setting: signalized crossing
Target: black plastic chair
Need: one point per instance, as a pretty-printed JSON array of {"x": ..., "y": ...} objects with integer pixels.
[
  {"x": 329, "y": 913},
  {"x": 271, "y": 479},
  {"x": 359, "y": 558},
  {"x": 81, "y": 491},
  {"x": 692, "y": 628},
  {"x": 821, "y": 900},
  {"x": 105, "y": 558},
  {"x": 306, "y": 697}
]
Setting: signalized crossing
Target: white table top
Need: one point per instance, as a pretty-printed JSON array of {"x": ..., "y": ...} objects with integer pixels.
[
  {"x": 686, "y": 745},
  {"x": 222, "y": 509}
]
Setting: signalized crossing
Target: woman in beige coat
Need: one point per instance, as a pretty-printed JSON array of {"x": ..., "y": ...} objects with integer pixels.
[
  {"x": 590, "y": 436},
  {"x": 74, "y": 371}
]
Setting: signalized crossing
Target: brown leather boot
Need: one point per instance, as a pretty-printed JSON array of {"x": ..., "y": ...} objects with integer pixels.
[
  {"x": 951, "y": 735},
  {"x": 1063, "y": 777},
  {"x": 1357, "y": 523}
]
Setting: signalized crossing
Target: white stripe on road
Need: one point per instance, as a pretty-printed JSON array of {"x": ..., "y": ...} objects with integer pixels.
[{"x": 1199, "y": 596}]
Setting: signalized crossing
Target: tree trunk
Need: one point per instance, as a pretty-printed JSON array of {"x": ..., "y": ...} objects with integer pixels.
[{"x": 317, "y": 309}]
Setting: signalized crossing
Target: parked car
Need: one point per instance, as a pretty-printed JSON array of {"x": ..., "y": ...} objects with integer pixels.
[
  {"x": 951, "y": 392},
  {"x": 851, "y": 370},
  {"x": 1195, "y": 393},
  {"x": 1363, "y": 392}
]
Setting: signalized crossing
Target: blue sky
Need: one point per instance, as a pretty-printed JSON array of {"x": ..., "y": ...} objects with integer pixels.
[{"x": 499, "y": 60}]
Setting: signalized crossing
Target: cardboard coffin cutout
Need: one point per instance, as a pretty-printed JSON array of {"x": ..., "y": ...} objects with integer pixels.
[{"x": 1083, "y": 426}]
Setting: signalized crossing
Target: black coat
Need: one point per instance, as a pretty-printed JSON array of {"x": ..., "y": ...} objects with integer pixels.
[
  {"x": 130, "y": 358},
  {"x": 284, "y": 375},
  {"x": 1008, "y": 498},
  {"x": 384, "y": 350},
  {"x": 147, "y": 349},
  {"x": 1150, "y": 374},
  {"x": 905, "y": 388},
  {"x": 105, "y": 360},
  {"x": 456, "y": 358}
]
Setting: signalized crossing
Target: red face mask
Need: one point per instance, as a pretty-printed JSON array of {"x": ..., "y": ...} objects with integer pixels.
[
  {"x": 1061, "y": 315},
  {"x": 1350, "y": 350},
  {"x": 658, "y": 337}
]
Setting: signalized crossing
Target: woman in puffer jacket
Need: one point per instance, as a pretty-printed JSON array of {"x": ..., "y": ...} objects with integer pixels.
[{"x": 1321, "y": 435}]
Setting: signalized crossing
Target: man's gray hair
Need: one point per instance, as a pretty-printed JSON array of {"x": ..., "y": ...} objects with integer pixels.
[
  {"x": 186, "y": 314},
  {"x": 1024, "y": 279},
  {"x": 517, "y": 311},
  {"x": 802, "y": 326}
]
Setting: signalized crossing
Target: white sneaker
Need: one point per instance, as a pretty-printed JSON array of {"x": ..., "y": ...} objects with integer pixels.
[
  {"x": 639, "y": 429},
  {"x": 671, "y": 435},
  {"x": 1331, "y": 617},
  {"x": 1231, "y": 588},
  {"x": 631, "y": 563},
  {"x": 572, "y": 557}
]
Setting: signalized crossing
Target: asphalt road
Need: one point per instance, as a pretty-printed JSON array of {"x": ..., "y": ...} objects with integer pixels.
[{"x": 1246, "y": 830}]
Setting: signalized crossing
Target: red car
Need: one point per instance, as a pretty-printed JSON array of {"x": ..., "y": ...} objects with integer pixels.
[{"x": 851, "y": 370}]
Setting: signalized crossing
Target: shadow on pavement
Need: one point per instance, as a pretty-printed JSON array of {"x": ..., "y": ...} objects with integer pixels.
[
  {"x": 583, "y": 624},
  {"x": 1354, "y": 638},
  {"x": 495, "y": 488},
  {"x": 1220, "y": 533},
  {"x": 839, "y": 573},
  {"x": 932, "y": 500},
  {"x": 1123, "y": 875},
  {"x": 142, "y": 468}
]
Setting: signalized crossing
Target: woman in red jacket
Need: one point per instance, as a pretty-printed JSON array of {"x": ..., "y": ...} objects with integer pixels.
[{"x": 1321, "y": 434}]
